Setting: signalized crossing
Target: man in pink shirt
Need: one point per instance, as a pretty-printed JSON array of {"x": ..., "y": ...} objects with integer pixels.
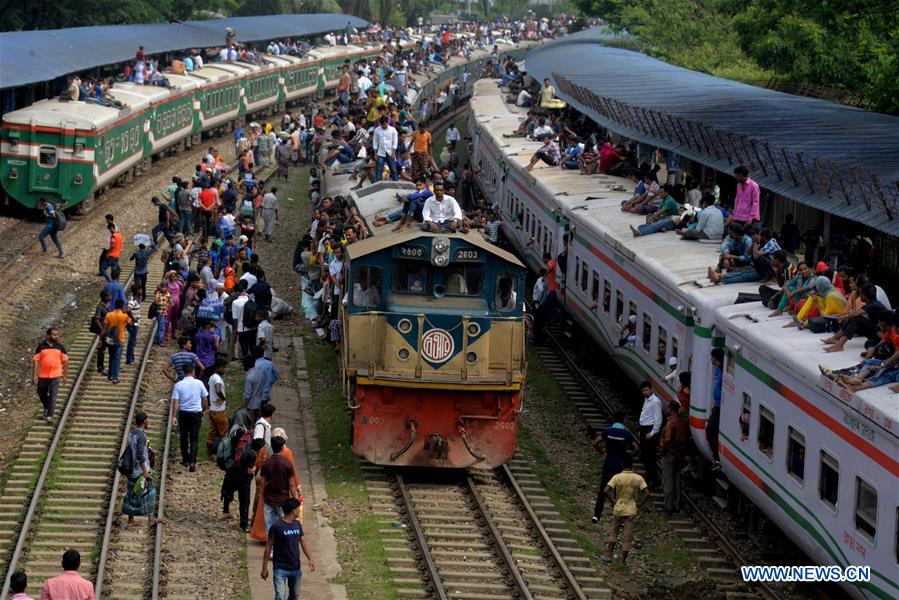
[
  {"x": 68, "y": 585},
  {"x": 746, "y": 202}
]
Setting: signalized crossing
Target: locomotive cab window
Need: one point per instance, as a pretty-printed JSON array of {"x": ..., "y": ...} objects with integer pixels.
[
  {"x": 766, "y": 431},
  {"x": 366, "y": 287},
  {"x": 865, "y": 507},
  {"x": 47, "y": 156},
  {"x": 796, "y": 455},
  {"x": 829, "y": 480},
  {"x": 411, "y": 278},
  {"x": 464, "y": 281},
  {"x": 506, "y": 293}
]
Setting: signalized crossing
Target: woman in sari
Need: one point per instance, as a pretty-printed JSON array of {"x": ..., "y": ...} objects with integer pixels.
[{"x": 826, "y": 299}]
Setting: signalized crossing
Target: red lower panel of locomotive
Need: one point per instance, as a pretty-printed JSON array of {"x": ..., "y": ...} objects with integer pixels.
[{"x": 435, "y": 428}]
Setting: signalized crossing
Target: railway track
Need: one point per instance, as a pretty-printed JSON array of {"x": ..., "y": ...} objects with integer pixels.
[
  {"x": 708, "y": 542},
  {"x": 62, "y": 490},
  {"x": 477, "y": 534}
]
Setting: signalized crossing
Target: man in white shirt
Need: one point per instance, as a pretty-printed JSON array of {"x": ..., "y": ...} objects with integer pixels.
[
  {"x": 237, "y": 307},
  {"x": 452, "y": 136},
  {"x": 542, "y": 130},
  {"x": 218, "y": 416},
  {"x": 265, "y": 333},
  {"x": 651, "y": 417},
  {"x": 385, "y": 140},
  {"x": 441, "y": 212},
  {"x": 189, "y": 399},
  {"x": 363, "y": 83},
  {"x": 524, "y": 98}
]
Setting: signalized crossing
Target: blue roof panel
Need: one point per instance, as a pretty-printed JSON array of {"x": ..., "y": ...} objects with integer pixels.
[
  {"x": 42, "y": 55},
  {"x": 839, "y": 159}
]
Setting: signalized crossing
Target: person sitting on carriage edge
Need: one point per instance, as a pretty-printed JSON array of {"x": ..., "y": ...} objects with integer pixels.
[{"x": 441, "y": 212}]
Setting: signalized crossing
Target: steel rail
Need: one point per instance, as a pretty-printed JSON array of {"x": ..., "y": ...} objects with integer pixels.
[
  {"x": 160, "y": 507},
  {"x": 420, "y": 540}
]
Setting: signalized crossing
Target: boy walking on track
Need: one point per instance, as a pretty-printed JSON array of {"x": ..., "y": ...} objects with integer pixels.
[
  {"x": 285, "y": 538},
  {"x": 631, "y": 492}
]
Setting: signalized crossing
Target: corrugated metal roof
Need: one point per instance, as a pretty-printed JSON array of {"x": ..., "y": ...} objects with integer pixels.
[
  {"x": 839, "y": 159},
  {"x": 42, "y": 55}
]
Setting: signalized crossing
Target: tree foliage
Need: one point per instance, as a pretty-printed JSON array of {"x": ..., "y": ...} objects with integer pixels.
[{"x": 838, "y": 44}]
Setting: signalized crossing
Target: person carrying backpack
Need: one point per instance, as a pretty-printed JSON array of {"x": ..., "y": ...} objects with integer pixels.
[
  {"x": 240, "y": 451},
  {"x": 54, "y": 223}
]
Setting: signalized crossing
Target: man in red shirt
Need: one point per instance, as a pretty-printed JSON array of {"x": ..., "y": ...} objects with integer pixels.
[
  {"x": 114, "y": 253},
  {"x": 208, "y": 207},
  {"x": 68, "y": 585},
  {"x": 51, "y": 363}
]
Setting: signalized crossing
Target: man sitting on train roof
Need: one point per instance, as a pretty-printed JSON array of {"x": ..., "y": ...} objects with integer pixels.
[
  {"x": 708, "y": 223},
  {"x": 880, "y": 362},
  {"x": 441, "y": 212},
  {"x": 548, "y": 153},
  {"x": 662, "y": 219},
  {"x": 763, "y": 246}
]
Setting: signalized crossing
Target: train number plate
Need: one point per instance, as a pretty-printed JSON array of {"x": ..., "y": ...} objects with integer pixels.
[
  {"x": 410, "y": 251},
  {"x": 467, "y": 255}
]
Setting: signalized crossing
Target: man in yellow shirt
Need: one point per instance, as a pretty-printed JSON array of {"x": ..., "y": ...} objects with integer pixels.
[
  {"x": 421, "y": 152},
  {"x": 631, "y": 492},
  {"x": 116, "y": 323}
]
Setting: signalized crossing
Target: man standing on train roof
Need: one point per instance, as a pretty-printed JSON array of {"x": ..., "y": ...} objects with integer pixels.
[
  {"x": 441, "y": 212},
  {"x": 51, "y": 226},
  {"x": 651, "y": 417},
  {"x": 746, "y": 200},
  {"x": 385, "y": 140},
  {"x": 618, "y": 441}
]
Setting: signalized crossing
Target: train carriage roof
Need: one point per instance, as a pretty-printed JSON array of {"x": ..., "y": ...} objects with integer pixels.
[
  {"x": 52, "y": 113},
  {"x": 65, "y": 51}
]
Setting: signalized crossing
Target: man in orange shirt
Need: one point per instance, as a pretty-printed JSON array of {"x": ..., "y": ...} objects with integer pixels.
[
  {"x": 116, "y": 322},
  {"x": 114, "y": 253},
  {"x": 421, "y": 152},
  {"x": 68, "y": 585},
  {"x": 51, "y": 363}
]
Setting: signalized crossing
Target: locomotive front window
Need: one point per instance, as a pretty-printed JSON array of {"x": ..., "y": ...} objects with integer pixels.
[
  {"x": 47, "y": 156},
  {"x": 366, "y": 287},
  {"x": 506, "y": 293},
  {"x": 464, "y": 281},
  {"x": 411, "y": 278}
]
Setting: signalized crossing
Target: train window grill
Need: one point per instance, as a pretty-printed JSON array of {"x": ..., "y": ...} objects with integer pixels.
[
  {"x": 47, "y": 156},
  {"x": 865, "y": 507},
  {"x": 584, "y": 276},
  {"x": 464, "y": 281},
  {"x": 594, "y": 288},
  {"x": 829, "y": 480},
  {"x": 607, "y": 297},
  {"x": 796, "y": 455},
  {"x": 662, "y": 346},
  {"x": 745, "y": 416},
  {"x": 367, "y": 287},
  {"x": 411, "y": 278},
  {"x": 766, "y": 432},
  {"x": 647, "y": 332}
]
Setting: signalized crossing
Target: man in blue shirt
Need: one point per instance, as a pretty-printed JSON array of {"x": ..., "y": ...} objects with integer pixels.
[
  {"x": 51, "y": 227},
  {"x": 618, "y": 440},
  {"x": 175, "y": 369},
  {"x": 116, "y": 290},
  {"x": 285, "y": 538},
  {"x": 711, "y": 429},
  {"x": 267, "y": 370}
]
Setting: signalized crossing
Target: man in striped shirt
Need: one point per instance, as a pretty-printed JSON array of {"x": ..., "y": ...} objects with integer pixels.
[
  {"x": 51, "y": 364},
  {"x": 174, "y": 370}
]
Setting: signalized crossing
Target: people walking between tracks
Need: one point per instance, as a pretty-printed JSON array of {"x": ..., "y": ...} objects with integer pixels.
[
  {"x": 98, "y": 326},
  {"x": 651, "y": 417},
  {"x": 189, "y": 401},
  {"x": 277, "y": 482},
  {"x": 141, "y": 258},
  {"x": 68, "y": 585},
  {"x": 101, "y": 261},
  {"x": 52, "y": 226},
  {"x": 133, "y": 310},
  {"x": 218, "y": 404},
  {"x": 113, "y": 252},
  {"x": 140, "y": 494},
  {"x": 628, "y": 492},
  {"x": 176, "y": 368},
  {"x": 618, "y": 441},
  {"x": 163, "y": 300},
  {"x": 270, "y": 213},
  {"x": 116, "y": 323},
  {"x": 50, "y": 367},
  {"x": 673, "y": 445},
  {"x": 285, "y": 539},
  {"x": 18, "y": 583}
]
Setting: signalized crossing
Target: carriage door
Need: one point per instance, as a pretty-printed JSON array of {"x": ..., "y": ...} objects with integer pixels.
[{"x": 72, "y": 149}]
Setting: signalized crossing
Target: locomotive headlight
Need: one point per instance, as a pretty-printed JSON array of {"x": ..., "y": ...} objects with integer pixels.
[
  {"x": 471, "y": 357},
  {"x": 440, "y": 252},
  {"x": 474, "y": 329},
  {"x": 404, "y": 326},
  {"x": 403, "y": 354},
  {"x": 441, "y": 260},
  {"x": 441, "y": 245}
]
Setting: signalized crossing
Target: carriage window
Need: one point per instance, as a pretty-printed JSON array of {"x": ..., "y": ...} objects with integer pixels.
[
  {"x": 766, "y": 431},
  {"x": 584, "y": 276},
  {"x": 594, "y": 289},
  {"x": 577, "y": 268},
  {"x": 619, "y": 305},
  {"x": 674, "y": 348},
  {"x": 745, "y": 416},
  {"x": 506, "y": 293},
  {"x": 731, "y": 361},
  {"x": 662, "y": 346},
  {"x": 412, "y": 278},
  {"x": 47, "y": 156},
  {"x": 829, "y": 481},
  {"x": 607, "y": 297},
  {"x": 796, "y": 454},
  {"x": 647, "y": 332},
  {"x": 464, "y": 281},
  {"x": 865, "y": 507},
  {"x": 366, "y": 287}
]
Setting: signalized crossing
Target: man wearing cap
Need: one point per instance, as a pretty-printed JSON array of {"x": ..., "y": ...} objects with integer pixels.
[{"x": 285, "y": 538}]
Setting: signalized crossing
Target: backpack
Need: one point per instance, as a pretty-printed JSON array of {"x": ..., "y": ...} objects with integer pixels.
[
  {"x": 60, "y": 221},
  {"x": 126, "y": 460},
  {"x": 249, "y": 314},
  {"x": 153, "y": 311},
  {"x": 229, "y": 315},
  {"x": 224, "y": 455}
]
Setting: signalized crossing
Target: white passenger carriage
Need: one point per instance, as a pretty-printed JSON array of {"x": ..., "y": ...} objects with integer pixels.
[{"x": 823, "y": 466}]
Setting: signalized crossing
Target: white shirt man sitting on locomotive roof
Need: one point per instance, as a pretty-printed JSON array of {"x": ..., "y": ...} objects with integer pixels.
[{"x": 441, "y": 212}]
